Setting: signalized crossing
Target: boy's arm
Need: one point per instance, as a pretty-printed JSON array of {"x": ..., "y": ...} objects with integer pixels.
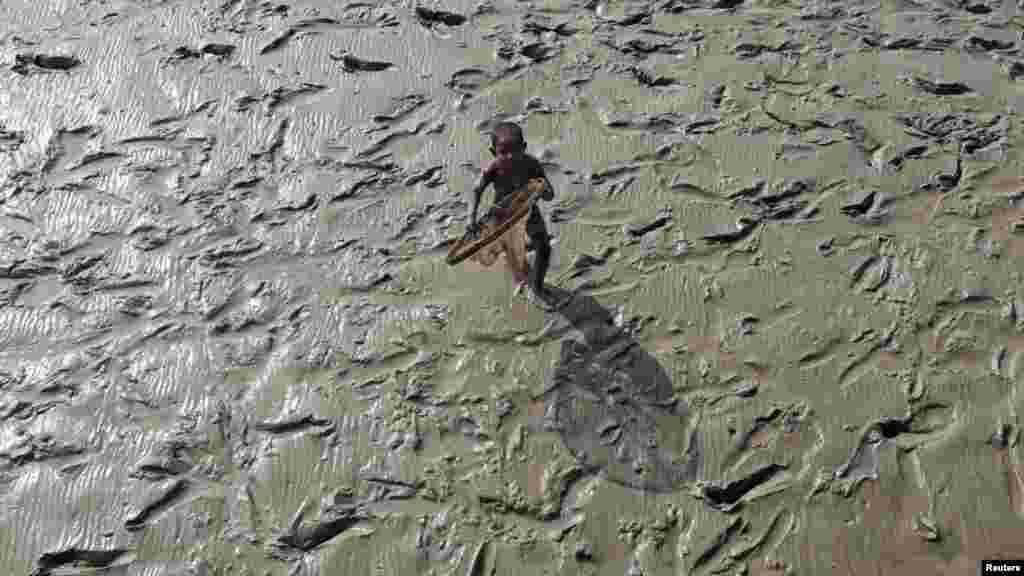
[{"x": 549, "y": 190}]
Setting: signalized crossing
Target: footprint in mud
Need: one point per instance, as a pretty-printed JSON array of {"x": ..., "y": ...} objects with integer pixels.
[
  {"x": 470, "y": 81},
  {"x": 613, "y": 405}
]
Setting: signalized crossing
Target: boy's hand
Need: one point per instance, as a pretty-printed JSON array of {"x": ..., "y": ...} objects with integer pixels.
[
  {"x": 549, "y": 193},
  {"x": 540, "y": 189},
  {"x": 495, "y": 168}
]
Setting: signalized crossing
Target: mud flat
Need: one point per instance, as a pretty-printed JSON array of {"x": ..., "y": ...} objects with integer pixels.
[{"x": 791, "y": 235}]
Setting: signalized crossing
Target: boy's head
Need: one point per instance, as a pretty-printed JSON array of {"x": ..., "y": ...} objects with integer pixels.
[{"x": 507, "y": 142}]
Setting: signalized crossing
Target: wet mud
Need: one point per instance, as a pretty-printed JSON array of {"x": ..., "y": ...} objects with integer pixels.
[{"x": 788, "y": 243}]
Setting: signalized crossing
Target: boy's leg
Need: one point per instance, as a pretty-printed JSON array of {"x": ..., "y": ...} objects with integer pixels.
[
  {"x": 540, "y": 264},
  {"x": 541, "y": 243}
]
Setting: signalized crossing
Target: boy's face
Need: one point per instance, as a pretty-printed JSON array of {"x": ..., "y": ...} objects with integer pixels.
[{"x": 508, "y": 149}]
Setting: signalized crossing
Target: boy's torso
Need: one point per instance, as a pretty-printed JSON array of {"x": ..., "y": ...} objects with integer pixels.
[{"x": 515, "y": 179}]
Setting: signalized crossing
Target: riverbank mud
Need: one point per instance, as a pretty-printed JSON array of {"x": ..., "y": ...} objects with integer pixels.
[{"x": 789, "y": 239}]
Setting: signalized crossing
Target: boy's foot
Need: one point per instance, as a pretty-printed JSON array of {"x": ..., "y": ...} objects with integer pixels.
[
  {"x": 538, "y": 300},
  {"x": 548, "y": 299}
]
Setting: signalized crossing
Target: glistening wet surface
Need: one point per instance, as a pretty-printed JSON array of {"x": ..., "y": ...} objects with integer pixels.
[{"x": 790, "y": 237}]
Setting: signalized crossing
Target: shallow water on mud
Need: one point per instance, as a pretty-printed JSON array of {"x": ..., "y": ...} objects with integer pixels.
[{"x": 790, "y": 237}]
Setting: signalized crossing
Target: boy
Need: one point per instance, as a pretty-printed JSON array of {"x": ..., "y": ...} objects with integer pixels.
[{"x": 511, "y": 168}]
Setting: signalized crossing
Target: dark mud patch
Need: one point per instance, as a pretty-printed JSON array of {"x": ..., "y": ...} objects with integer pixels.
[
  {"x": 725, "y": 497},
  {"x": 162, "y": 497},
  {"x": 863, "y": 463},
  {"x": 26, "y": 64},
  {"x": 303, "y": 536},
  {"x": 352, "y": 63},
  {"x": 290, "y": 425},
  {"x": 77, "y": 558},
  {"x": 430, "y": 17}
]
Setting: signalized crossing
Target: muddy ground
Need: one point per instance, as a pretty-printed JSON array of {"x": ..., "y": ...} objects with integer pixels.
[{"x": 792, "y": 233}]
